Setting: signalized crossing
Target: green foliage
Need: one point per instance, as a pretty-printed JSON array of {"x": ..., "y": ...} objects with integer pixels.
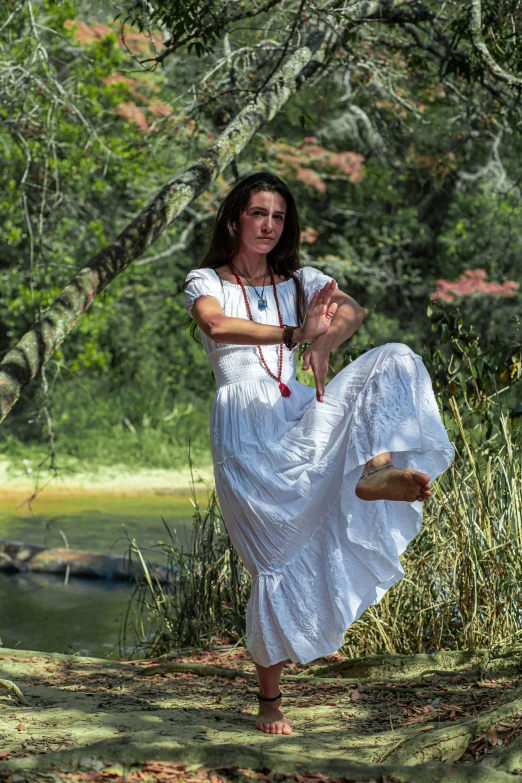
[
  {"x": 102, "y": 169},
  {"x": 194, "y": 24},
  {"x": 432, "y": 178}
]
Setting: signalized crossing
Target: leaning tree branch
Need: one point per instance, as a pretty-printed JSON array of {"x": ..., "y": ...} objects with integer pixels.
[
  {"x": 22, "y": 363},
  {"x": 475, "y": 27}
]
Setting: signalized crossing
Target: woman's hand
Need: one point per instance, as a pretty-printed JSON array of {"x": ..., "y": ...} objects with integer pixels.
[
  {"x": 317, "y": 359},
  {"x": 319, "y": 314}
]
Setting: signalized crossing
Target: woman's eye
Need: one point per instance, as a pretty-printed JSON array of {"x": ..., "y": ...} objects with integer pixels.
[{"x": 277, "y": 216}]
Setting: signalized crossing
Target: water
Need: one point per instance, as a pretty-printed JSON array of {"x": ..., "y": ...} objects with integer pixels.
[
  {"x": 96, "y": 523},
  {"x": 40, "y": 611}
]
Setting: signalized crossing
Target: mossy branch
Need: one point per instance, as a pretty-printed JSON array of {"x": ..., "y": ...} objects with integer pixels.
[
  {"x": 243, "y": 756},
  {"x": 378, "y": 665}
]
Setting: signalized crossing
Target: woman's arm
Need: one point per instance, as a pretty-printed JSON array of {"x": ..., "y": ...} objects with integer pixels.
[
  {"x": 213, "y": 321},
  {"x": 222, "y": 328},
  {"x": 346, "y": 321}
]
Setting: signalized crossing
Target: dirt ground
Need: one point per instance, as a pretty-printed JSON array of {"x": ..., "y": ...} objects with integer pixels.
[{"x": 393, "y": 719}]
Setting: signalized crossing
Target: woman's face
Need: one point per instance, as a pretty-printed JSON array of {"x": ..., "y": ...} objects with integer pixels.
[{"x": 262, "y": 222}]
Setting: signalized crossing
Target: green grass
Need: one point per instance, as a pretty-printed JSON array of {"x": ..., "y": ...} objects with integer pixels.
[{"x": 138, "y": 425}]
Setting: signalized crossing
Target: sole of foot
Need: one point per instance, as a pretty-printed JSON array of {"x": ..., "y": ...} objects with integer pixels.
[
  {"x": 270, "y": 720},
  {"x": 395, "y": 484}
]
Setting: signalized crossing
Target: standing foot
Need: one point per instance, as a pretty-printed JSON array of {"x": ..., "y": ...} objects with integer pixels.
[
  {"x": 394, "y": 484},
  {"x": 270, "y": 718}
]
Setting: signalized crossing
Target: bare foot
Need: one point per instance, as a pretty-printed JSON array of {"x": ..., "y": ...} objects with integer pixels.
[
  {"x": 394, "y": 484},
  {"x": 271, "y": 720}
]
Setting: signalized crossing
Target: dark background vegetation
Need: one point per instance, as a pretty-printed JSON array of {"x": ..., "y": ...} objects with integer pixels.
[{"x": 400, "y": 181}]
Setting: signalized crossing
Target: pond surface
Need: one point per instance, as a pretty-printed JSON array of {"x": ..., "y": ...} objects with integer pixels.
[{"x": 40, "y": 611}]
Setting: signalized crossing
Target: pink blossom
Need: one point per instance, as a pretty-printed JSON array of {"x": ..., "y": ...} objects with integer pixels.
[
  {"x": 160, "y": 109},
  {"x": 309, "y": 235},
  {"x": 473, "y": 281},
  {"x": 310, "y": 177},
  {"x": 133, "y": 113},
  {"x": 349, "y": 163}
]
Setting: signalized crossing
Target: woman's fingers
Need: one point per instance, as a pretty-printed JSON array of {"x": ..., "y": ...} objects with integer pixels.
[
  {"x": 332, "y": 309},
  {"x": 323, "y": 295},
  {"x": 327, "y": 291}
]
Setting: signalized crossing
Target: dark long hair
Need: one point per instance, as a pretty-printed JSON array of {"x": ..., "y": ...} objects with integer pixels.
[{"x": 225, "y": 243}]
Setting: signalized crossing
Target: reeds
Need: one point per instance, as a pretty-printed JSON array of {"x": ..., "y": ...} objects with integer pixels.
[
  {"x": 463, "y": 583},
  {"x": 201, "y": 595}
]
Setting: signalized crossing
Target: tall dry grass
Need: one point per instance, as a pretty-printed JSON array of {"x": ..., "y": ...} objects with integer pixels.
[
  {"x": 463, "y": 582},
  {"x": 204, "y": 595}
]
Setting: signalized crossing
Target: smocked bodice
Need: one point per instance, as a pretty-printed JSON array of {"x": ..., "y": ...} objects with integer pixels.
[
  {"x": 242, "y": 364},
  {"x": 233, "y": 363}
]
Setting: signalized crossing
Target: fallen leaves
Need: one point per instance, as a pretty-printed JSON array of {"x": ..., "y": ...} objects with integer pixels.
[{"x": 183, "y": 772}]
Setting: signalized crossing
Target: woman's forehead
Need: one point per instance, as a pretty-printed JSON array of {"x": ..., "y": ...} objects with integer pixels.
[{"x": 267, "y": 200}]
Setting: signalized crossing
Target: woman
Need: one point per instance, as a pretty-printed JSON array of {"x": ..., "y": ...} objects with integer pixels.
[{"x": 320, "y": 540}]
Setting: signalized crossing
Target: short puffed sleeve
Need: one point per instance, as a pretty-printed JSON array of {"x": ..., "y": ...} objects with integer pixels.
[
  {"x": 200, "y": 282},
  {"x": 313, "y": 279}
]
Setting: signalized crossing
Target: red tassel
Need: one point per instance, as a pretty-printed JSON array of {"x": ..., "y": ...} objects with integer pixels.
[{"x": 285, "y": 391}]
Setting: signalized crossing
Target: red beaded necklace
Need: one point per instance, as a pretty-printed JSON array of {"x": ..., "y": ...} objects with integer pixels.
[{"x": 285, "y": 391}]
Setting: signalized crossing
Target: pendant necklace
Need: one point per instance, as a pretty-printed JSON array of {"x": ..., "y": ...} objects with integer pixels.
[
  {"x": 262, "y": 304},
  {"x": 283, "y": 388}
]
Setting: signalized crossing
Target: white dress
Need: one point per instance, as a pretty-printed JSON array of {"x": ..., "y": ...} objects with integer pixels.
[{"x": 286, "y": 467}]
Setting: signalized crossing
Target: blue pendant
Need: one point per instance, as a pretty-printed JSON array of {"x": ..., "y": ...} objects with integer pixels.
[{"x": 262, "y": 303}]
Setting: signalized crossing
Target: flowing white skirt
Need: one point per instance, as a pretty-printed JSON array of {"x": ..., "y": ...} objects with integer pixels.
[{"x": 285, "y": 472}]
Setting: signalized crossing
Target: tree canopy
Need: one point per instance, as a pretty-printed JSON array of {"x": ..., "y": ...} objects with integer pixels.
[{"x": 396, "y": 124}]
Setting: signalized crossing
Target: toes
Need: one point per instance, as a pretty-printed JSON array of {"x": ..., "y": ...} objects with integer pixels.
[{"x": 274, "y": 728}]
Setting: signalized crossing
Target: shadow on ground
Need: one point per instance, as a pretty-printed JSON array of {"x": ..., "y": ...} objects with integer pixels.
[{"x": 445, "y": 716}]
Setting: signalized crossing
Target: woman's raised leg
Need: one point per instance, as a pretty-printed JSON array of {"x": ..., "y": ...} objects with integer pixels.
[{"x": 270, "y": 718}]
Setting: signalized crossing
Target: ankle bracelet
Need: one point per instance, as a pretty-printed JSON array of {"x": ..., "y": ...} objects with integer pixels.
[
  {"x": 269, "y": 698},
  {"x": 369, "y": 473}
]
